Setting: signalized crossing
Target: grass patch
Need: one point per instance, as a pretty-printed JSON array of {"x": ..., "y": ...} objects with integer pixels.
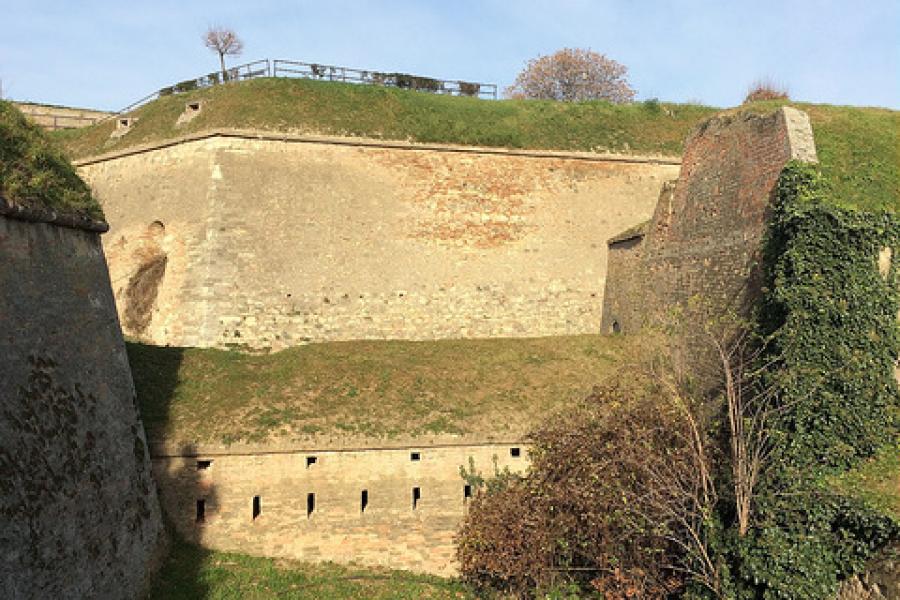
[
  {"x": 35, "y": 173},
  {"x": 492, "y": 389},
  {"x": 191, "y": 572},
  {"x": 305, "y": 106},
  {"x": 876, "y": 482}
]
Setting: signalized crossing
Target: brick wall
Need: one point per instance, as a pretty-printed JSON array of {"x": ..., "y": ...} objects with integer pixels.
[
  {"x": 703, "y": 242},
  {"x": 79, "y": 512},
  {"x": 53, "y": 117},
  {"x": 271, "y": 243},
  {"x": 332, "y": 525}
]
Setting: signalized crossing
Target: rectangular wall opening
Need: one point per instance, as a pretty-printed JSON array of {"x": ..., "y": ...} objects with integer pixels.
[
  {"x": 201, "y": 510},
  {"x": 202, "y": 465},
  {"x": 417, "y": 495},
  {"x": 415, "y": 456},
  {"x": 310, "y": 461},
  {"x": 467, "y": 493},
  {"x": 310, "y": 504},
  {"x": 515, "y": 452},
  {"x": 364, "y": 501},
  {"x": 257, "y": 510}
]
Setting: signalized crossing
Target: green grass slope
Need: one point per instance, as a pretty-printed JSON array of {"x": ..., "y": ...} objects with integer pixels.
[
  {"x": 35, "y": 173},
  {"x": 484, "y": 389},
  {"x": 191, "y": 572},
  {"x": 304, "y": 106}
]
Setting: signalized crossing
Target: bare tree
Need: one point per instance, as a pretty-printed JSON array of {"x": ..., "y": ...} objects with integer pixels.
[
  {"x": 573, "y": 74},
  {"x": 752, "y": 403},
  {"x": 224, "y": 42}
]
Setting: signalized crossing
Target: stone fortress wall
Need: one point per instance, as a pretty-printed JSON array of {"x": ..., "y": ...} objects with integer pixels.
[
  {"x": 268, "y": 242},
  {"x": 704, "y": 239},
  {"x": 78, "y": 506},
  {"x": 395, "y": 507},
  {"x": 52, "y": 117}
]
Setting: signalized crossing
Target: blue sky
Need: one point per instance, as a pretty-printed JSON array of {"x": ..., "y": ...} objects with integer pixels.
[{"x": 105, "y": 54}]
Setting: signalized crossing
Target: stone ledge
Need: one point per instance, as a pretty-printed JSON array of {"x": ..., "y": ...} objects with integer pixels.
[
  {"x": 269, "y": 136},
  {"x": 46, "y": 215},
  {"x": 160, "y": 449}
]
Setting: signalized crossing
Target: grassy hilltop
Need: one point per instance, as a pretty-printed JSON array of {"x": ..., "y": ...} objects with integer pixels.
[
  {"x": 859, "y": 148},
  {"x": 34, "y": 173}
]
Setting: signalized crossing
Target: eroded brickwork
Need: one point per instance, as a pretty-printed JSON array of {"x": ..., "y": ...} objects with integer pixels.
[
  {"x": 275, "y": 243},
  {"x": 392, "y": 526},
  {"x": 704, "y": 241},
  {"x": 79, "y": 516}
]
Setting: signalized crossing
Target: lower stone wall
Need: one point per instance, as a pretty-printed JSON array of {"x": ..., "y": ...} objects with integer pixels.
[
  {"x": 79, "y": 515},
  {"x": 308, "y": 504}
]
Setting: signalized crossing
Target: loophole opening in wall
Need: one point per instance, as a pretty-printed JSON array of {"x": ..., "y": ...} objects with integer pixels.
[
  {"x": 310, "y": 461},
  {"x": 201, "y": 511},
  {"x": 257, "y": 508},
  {"x": 416, "y": 496},
  {"x": 203, "y": 465},
  {"x": 616, "y": 328},
  {"x": 310, "y": 504},
  {"x": 515, "y": 452},
  {"x": 467, "y": 493},
  {"x": 364, "y": 501},
  {"x": 415, "y": 456}
]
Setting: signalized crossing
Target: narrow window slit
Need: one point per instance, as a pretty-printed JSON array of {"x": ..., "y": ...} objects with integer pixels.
[
  {"x": 364, "y": 501},
  {"x": 310, "y": 504},
  {"x": 467, "y": 493},
  {"x": 417, "y": 495},
  {"x": 201, "y": 510},
  {"x": 256, "y": 507}
]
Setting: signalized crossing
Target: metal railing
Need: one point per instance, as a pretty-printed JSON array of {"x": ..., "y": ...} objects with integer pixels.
[{"x": 292, "y": 68}]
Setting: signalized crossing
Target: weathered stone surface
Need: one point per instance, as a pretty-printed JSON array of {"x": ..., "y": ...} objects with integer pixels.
[
  {"x": 389, "y": 532},
  {"x": 79, "y": 515},
  {"x": 704, "y": 240},
  {"x": 275, "y": 243}
]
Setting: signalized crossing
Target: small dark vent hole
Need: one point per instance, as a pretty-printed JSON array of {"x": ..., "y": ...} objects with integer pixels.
[
  {"x": 467, "y": 492},
  {"x": 515, "y": 452},
  {"x": 310, "y": 504},
  {"x": 364, "y": 501},
  {"x": 417, "y": 495},
  {"x": 415, "y": 456},
  {"x": 194, "y": 105},
  {"x": 310, "y": 461},
  {"x": 201, "y": 510},
  {"x": 256, "y": 507},
  {"x": 616, "y": 328},
  {"x": 202, "y": 465}
]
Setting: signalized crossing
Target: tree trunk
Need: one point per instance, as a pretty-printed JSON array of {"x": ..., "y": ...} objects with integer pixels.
[{"x": 222, "y": 62}]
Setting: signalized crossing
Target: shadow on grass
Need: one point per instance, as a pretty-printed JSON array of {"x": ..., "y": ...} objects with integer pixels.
[{"x": 186, "y": 490}]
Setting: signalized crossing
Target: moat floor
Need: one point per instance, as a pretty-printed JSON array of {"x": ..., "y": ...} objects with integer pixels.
[{"x": 191, "y": 572}]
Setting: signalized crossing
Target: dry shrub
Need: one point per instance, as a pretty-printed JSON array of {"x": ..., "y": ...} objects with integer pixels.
[
  {"x": 615, "y": 499},
  {"x": 766, "y": 89}
]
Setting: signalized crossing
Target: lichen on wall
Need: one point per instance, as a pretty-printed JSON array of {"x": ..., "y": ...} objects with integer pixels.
[{"x": 77, "y": 502}]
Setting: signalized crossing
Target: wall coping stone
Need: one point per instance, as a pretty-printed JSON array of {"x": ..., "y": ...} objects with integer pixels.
[
  {"x": 35, "y": 214},
  {"x": 160, "y": 449},
  {"x": 259, "y": 135}
]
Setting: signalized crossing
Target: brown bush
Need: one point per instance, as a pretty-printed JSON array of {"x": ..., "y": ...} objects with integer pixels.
[
  {"x": 617, "y": 488},
  {"x": 766, "y": 89}
]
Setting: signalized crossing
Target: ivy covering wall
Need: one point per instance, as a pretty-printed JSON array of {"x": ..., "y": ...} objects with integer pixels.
[{"x": 831, "y": 316}]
